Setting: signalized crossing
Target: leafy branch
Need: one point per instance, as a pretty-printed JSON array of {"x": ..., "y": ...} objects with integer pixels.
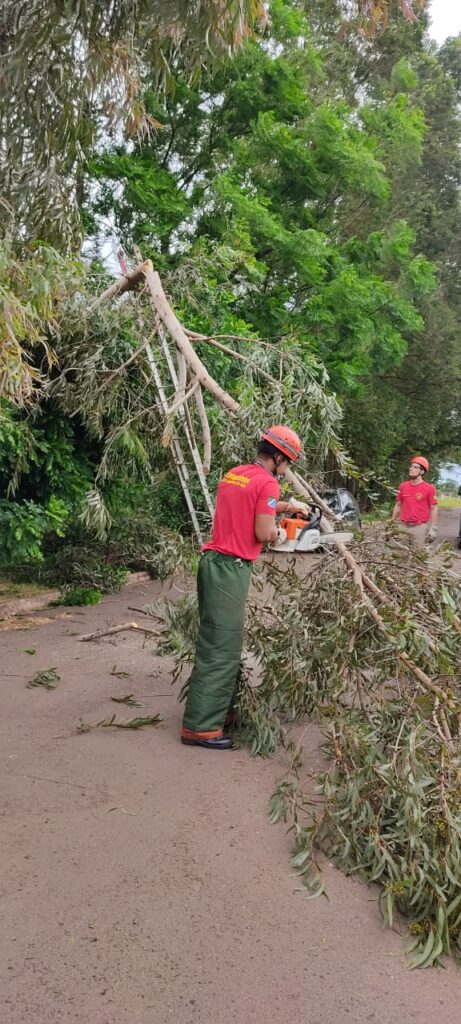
[{"x": 114, "y": 723}]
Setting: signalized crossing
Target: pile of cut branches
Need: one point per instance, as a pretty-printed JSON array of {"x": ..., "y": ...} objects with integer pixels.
[{"x": 387, "y": 805}]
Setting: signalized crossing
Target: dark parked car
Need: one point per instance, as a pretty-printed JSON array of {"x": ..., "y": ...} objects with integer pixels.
[{"x": 343, "y": 504}]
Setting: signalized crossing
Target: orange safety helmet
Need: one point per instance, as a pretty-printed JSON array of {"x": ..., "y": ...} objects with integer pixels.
[
  {"x": 285, "y": 440},
  {"x": 419, "y": 460}
]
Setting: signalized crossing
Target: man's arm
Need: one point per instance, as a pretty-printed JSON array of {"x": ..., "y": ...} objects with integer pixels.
[
  {"x": 396, "y": 512},
  {"x": 293, "y": 505},
  {"x": 432, "y": 531},
  {"x": 265, "y": 529}
]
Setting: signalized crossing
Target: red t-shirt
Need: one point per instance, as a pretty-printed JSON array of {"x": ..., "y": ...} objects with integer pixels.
[
  {"x": 244, "y": 492},
  {"x": 416, "y": 501}
]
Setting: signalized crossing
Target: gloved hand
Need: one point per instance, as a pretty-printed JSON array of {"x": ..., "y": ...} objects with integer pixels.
[
  {"x": 431, "y": 534},
  {"x": 299, "y": 506}
]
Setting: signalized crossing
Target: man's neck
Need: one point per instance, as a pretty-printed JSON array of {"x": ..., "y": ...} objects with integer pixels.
[
  {"x": 265, "y": 463},
  {"x": 415, "y": 480}
]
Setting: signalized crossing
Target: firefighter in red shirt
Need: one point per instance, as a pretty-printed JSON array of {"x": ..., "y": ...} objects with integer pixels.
[
  {"x": 415, "y": 508},
  {"x": 246, "y": 505}
]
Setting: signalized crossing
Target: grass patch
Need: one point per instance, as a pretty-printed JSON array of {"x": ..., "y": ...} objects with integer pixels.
[
  {"x": 451, "y": 501},
  {"x": 10, "y": 590}
]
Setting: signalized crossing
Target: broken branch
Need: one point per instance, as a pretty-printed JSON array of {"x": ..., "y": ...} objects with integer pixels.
[
  {"x": 183, "y": 398},
  {"x": 236, "y": 355},
  {"x": 118, "y": 629},
  {"x": 163, "y": 309},
  {"x": 128, "y": 283},
  {"x": 206, "y": 432}
]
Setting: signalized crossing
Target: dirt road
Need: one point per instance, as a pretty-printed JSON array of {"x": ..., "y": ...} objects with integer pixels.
[
  {"x": 141, "y": 882},
  {"x": 449, "y": 527}
]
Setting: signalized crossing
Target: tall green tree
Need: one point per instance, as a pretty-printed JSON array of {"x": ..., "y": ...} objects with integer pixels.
[
  {"x": 267, "y": 158},
  {"x": 73, "y": 70},
  {"x": 421, "y": 397}
]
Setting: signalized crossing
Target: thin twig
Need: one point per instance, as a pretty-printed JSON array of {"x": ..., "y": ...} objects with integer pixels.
[
  {"x": 194, "y": 336},
  {"x": 445, "y": 726},
  {"x": 206, "y": 432},
  {"x": 123, "y": 366},
  {"x": 118, "y": 629},
  {"x": 437, "y": 728},
  {"x": 182, "y": 374},
  {"x": 358, "y": 679},
  {"x": 397, "y": 742},
  {"x": 59, "y": 782},
  {"x": 183, "y": 398},
  {"x": 240, "y": 357}
]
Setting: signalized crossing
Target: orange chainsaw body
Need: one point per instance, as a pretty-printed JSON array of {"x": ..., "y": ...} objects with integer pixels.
[{"x": 292, "y": 524}]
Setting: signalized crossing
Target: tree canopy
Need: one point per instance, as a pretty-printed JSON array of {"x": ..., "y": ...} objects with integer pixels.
[
  {"x": 317, "y": 163},
  {"x": 302, "y": 190},
  {"x": 73, "y": 72}
]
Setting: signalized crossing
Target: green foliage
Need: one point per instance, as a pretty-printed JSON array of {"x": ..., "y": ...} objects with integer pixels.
[
  {"x": 393, "y": 418},
  {"x": 127, "y": 723},
  {"x": 42, "y": 455},
  {"x": 294, "y": 194},
  {"x": 389, "y": 815},
  {"x": 84, "y": 567},
  {"x": 136, "y": 541},
  {"x": 47, "y": 679},
  {"x": 298, "y": 193},
  {"x": 73, "y": 73},
  {"x": 45, "y": 470},
  {"x": 386, "y": 808},
  {"x": 24, "y": 526},
  {"x": 79, "y": 596},
  {"x": 30, "y": 287},
  {"x": 84, "y": 455},
  {"x": 128, "y": 699},
  {"x": 272, "y": 201},
  {"x": 70, "y": 71},
  {"x": 97, "y": 438}
]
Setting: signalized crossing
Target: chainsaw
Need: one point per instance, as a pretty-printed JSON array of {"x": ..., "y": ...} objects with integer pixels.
[{"x": 301, "y": 532}]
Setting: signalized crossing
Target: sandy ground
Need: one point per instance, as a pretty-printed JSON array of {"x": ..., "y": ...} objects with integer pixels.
[{"x": 141, "y": 881}]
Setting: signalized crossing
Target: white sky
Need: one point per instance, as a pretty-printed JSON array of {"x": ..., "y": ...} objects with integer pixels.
[{"x": 446, "y": 19}]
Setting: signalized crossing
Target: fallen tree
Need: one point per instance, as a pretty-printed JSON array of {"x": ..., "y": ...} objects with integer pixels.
[
  {"x": 386, "y": 805},
  {"x": 368, "y": 643},
  {"x": 190, "y": 367}
]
